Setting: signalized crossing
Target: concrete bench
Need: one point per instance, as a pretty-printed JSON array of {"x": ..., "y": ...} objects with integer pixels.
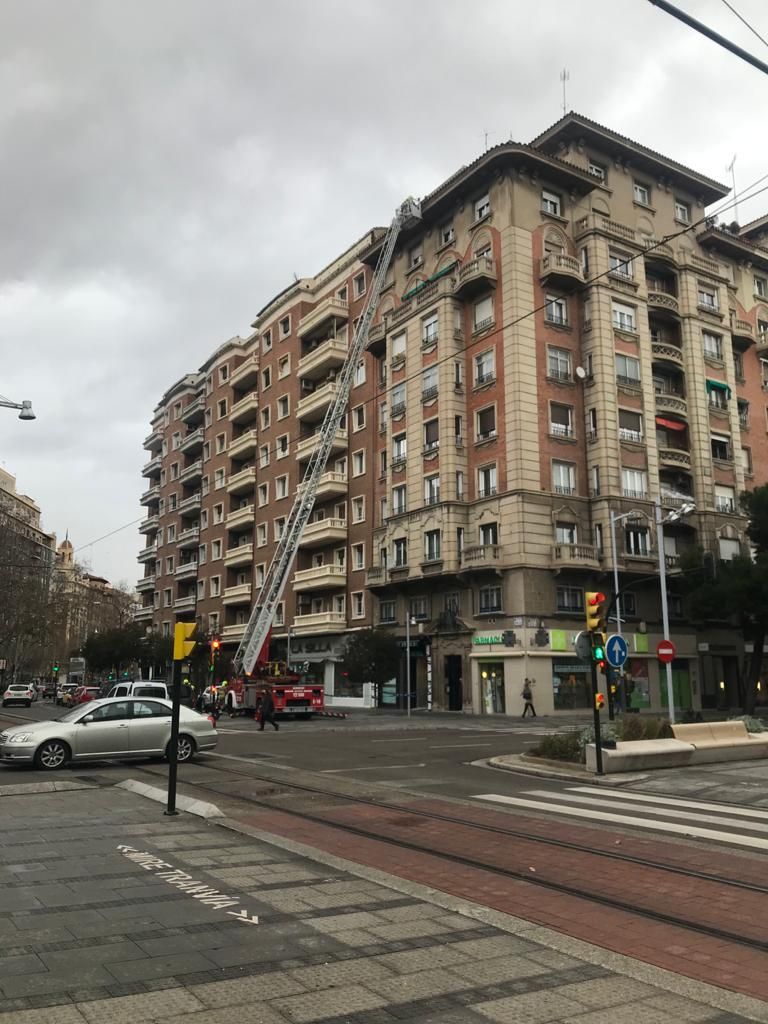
[
  {"x": 639, "y": 755},
  {"x": 694, "y": 743}
]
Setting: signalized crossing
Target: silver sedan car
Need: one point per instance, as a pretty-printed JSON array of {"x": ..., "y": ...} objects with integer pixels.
[{"x": 110, "y": 728}]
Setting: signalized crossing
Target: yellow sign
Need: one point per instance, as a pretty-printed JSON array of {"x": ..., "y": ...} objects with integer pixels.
[{"x": 182, "y": 645}]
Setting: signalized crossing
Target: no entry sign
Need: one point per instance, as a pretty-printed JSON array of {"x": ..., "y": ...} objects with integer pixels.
[{"x": 666, "y": 651}]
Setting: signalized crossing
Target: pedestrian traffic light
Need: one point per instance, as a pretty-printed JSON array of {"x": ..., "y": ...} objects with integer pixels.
[
  {"x": 595, "y": 611},
  {"x": 599, "y": 701},
  {"x": 182, "y": 645},
  {"x": 215, "y": 644},
  {"x": 55, "y": 668}
]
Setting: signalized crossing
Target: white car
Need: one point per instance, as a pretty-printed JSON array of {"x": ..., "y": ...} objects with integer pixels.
[{"x": 19, "y": 693}]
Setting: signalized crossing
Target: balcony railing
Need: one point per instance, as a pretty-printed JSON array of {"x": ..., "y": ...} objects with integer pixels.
[
  {"x": 325, "y": 312},
  {"x": 148, "y": 553},
  {"x": 153, "y": 467},
  {"x": 246, "y": 409},
  {"x": 194, "y": 412},
  {"x": 240, "y": 555},
  {"x": 325, "y": 356},
  {"x": 189, "y": 538},
  {"x": 186, "y": 603},
  {"x": 241, "y": 518},
  {"x": 243, "y": 480},
  {"x": 192, "y": 442},
  {"x": 186, "y": 570},
  {"x": 324, "y": 531},
  {"x": 574, "y": 553},
  {"x": 480, "y": 554},
  {"x": 320, "y": 622},
  {"x": 145, "y": 584},
  {"x": 192, "y": 472},
  {"x": 475, "y": 275},
  {"x": 560, "y": 267},
  {"x": 240, "y": 594},
  {"x": 320, "y": 577},
  {"x": 675, "y": 456},
  {"x": 246, "y": 374}
]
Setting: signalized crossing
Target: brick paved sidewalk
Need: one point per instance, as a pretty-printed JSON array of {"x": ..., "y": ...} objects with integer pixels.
[{"x": 160, "y": 931}]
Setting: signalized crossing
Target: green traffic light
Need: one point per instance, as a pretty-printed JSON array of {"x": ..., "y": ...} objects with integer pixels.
[{"x": 599, "y": 654}]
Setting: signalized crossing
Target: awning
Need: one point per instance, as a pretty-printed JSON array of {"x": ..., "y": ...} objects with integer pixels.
[
  {"x": 669, "y": 424},
  {"x": 423, "y": 284},
  {"x": 718, "y": 385},
  {"x": 413, "y": 291},
  {"x": 446, "y": 270}
]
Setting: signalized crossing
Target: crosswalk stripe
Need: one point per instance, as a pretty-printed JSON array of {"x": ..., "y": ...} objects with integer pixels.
[
  {"x": 596, "y": 801},
  {"x": 673, "y": 802},
  {"x": 733, "y": 839}
]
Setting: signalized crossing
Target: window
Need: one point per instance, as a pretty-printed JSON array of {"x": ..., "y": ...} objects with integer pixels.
[
  {"x": 358, "y": 556},
  {"x": 432, "y": 489},
  {"x": 429, "y": 330},
  {"x": 215, "y": 550},
  {"x": 415, "y": 257},
  {"x": 708, "y": 298},
  {"x": 281, "y": 446},
  {"x": 563, "y": 477},
  {"x": 386, "y": 611},
  {"x": 483, "y": 313},
  {"x": 566, "y": 533},
  {"x": 358, "y": 417},
  {"x": 432, "y": 545},
  {"x": 285, "y": 327},
  {"x": 560, "y": 420},
  {"x": 486, "y": 423},
  {"x": 358, "y": 462},
  {"x": 429, "y": 388},
  {"x": 279, "y": 527},
  {"x": 167, "y": 598},
  {"x": 623, "y": 317},
  {"x": 358, "y": 284},
  {"x": 265, "y": 417},
  {"x": 458, "y": 374},
  {"x": 447, "y": 234},
  {"x": 263, "y": 493},
  {"x": 627, "y": 370},
  {"x": 725, "y": 498},
  {"x": 682, "y": 211},
  {"x": 418, "y": 608},
  {"x": 721, "y": 447},
  {"x": 223, "y": 374},
  {"x": 175, "y": 469},
  {"x": 176, "y": 441},
  {"x": 630, "y": 425},
  {"x": 382, "y": 417},
  {"x": 219, "y": 478},
  {"x": 431, "y": 435},
  {"x": 485, "y": 367},
  {"x": 218, "y": 513},
  {"x": 482, "y": 207},
  {"x": 358, "y": 509},
  {"x": 261, "y": 535},
  {"x": 634, "y": 483},
  {"x": 591, "y": 424},
  {"x": 398, "y": 345},
  {"x": 399, "y": 448},
  {"x": 169, "y": 565},
  {"x": 489, "y": 534},
  {"x": 761, "y": 287},
  {"x": 283, "y": 407},
  {"x": 641, "y": 193},
  {"x": 489, "y": 600},
  {"x": 398, "y": 500},
  {"x": 556, "y": 310},
  {"x": 550, "y": 203},
  {"x": 718, "y": 398},
  {"x": 400, "y": 552},
  {"x": 359, "y": 373},
  {"x": 713, "y": 345},
  {"x": 569, "y": 599},
  {"x": 596, "y": 170},
  {"x": 266, "y": 379},
  {"x": 558, "y": 363},
  {"x": 215, "y": 584},
  {"x": 729, "y": 548},
  {"x": 621, "y": 264},
  {"x": 281, "y": 487},
  {"x": 398, "y": 400},
  {"x": 738, "y": 366},
  {"x": 221, "y": 408},
  {"x": 266, "y": 341},
  {"x": 746, "y": 460},
  {"x": 264, "y": 456},
  {"x": 284, "y": 367},
  {"x": 636, "y": 541},
  {"x": 358, "y": 605},
  {"x": 486, "y": 481},
  {"x": 383, "y": 462}
]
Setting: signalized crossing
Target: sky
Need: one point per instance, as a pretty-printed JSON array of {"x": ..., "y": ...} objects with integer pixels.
[{"x": 169, "y": 165}]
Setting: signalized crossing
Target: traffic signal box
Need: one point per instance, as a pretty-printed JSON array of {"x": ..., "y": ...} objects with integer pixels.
[
  {"x": 182, "y": 645},
  {"x": 595, "y": 618},
  {"x": 599, "y": 701}
]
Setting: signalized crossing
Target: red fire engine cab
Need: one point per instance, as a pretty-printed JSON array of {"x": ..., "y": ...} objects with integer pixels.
[{"x": 290, "y": 694}]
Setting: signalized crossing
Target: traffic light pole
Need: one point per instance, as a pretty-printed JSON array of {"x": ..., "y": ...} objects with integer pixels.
[
  {"x": 596, "y": 718},
  {"x": 173, "y": 746}
]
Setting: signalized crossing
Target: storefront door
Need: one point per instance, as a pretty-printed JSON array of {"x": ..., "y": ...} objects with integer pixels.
[{"x": 492, "y": 687}]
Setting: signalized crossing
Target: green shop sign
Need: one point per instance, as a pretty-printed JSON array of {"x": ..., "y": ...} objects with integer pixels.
[{"x": 497, "y": 638}]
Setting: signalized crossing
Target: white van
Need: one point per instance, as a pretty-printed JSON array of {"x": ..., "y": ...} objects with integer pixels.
[{"x": 140, "y": 688}]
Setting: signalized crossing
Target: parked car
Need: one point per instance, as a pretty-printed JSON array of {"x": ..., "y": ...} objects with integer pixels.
[
  {"x": 83, "y": 694},
  {"x": 19, "y": 693},
  {"x": 64, "y": 690},
  {"x": 116, "y": 728},
  {"x": 139, "y": 688}
]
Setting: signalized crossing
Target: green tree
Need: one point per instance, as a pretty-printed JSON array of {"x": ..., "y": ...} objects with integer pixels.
[{"x": 372, "y": 656}]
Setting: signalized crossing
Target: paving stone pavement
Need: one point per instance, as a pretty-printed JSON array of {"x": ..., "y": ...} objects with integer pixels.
[{"x": 91, "y": 935}]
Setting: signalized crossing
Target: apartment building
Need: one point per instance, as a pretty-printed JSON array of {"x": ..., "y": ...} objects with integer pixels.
[{"x": 562, "y": 341}]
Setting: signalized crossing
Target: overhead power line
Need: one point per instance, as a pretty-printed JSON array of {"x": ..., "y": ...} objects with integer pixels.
[
  {"x": 744, "y": 21},
  {"x": 698, "y": 26}
]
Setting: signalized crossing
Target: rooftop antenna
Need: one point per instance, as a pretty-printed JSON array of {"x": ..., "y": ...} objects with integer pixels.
[
  {"x": 487, "y": 133},
  {"x": 732, "y": 168},
  {"x": 565, "y": 76}
]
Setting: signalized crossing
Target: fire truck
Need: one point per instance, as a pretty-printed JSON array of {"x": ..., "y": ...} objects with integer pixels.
[{"x": 291, "y": 696}]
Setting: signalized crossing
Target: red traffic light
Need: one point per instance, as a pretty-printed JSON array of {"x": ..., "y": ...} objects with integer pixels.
[
  {"x": 599, "y": 701},
  {"x": 215, "y": 644},
  {"x": 595, "y": 599}
]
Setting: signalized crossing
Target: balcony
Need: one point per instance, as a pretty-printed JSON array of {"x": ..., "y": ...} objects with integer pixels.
[
  {"x": 192, "y": 473},
  {"x": 743, "y": 329},
  {"x": 242, "y": 481},
  {"x": 475, "y": 276},
  {"x": 603, "y": 225},
  {"x": 144, "y": 614},
  {"x": 185, "y": 604},
  {"x": 145, "y": 584},
  {"x": 150, "y": 524},
  {"x": 246, "y": 374},
  {"x": 240, "y": 555},
  {"x": 148, "y": 553},
  {"x": 150, "y": 496},
  {"x": 241, "y": 594},
  {"x": 330, "y": 485},
  {"x": 377, "y": 340},
  {"x": 246, "y": 409},
  {"x": 675, "y": 457},
  {"x": 376, "y": 576},
  {"x": 320, "y": 577},
  {"x": 320, "y": 622},
  {"x": 153, "y": 442},
  {"x": 194, "y": 412},
  {"x": 326, "y": 315},
  {"x": 663, "y": 304},
  {"x": 186, "y": 570},
  {"x": 188, "y": 538},
  {"x": 307, "y": 445},
  {"x": 314, "y": 405},
  {"x": 322, "y": 532},
  {"x": 583, "y": 555},
  {"x": 190, "y": 506},
  {"x": 674, "y": 499},
  {"x": 481, "y": 556},
  {"x": 761, "y": 344},
  {"x": 323, "y": 357},
  {"x": 241, "y": 518},
  {"x": 560, "y": 270},
  {"x": 243, "y": 446},
  {"x": 234, "y": 633},
  {"x": 666, "y": 401},
  {"x": 192, "y": 443},
  {"x": 152, "y": 468},
  {"x": 667, "y": 353}
]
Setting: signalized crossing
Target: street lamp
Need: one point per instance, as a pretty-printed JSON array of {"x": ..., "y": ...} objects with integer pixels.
[
  {"x": 25, "y": 407},
  {"x": 408, "y": 623},
  {"x": 672, "y": 517}
]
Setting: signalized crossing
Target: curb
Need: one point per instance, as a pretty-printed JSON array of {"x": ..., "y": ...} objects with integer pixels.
[
  {"x": 184, "y": 803},
  {"x": 33, "y": 788},
  {"x": 552, "y": 770}
]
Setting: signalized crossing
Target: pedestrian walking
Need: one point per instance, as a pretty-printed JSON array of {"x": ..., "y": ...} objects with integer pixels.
[
  {"x": 527, "y": 696},
  {"x": 268, "y": 710}
]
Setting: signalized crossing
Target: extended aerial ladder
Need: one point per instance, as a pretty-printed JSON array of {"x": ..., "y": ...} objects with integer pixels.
[{"x": 276, "y": 576}]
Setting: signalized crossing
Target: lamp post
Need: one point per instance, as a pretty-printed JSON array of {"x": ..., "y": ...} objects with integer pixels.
[
  {"x": 408, "y": 624},
  {"x": 25, "y": 408},
  {"x": 615, "y": 558},
  {"x": 671, "y": 517}
]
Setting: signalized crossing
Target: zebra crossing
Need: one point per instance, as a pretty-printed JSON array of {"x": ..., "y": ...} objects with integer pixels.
[{"x": 735, "y": 826}]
